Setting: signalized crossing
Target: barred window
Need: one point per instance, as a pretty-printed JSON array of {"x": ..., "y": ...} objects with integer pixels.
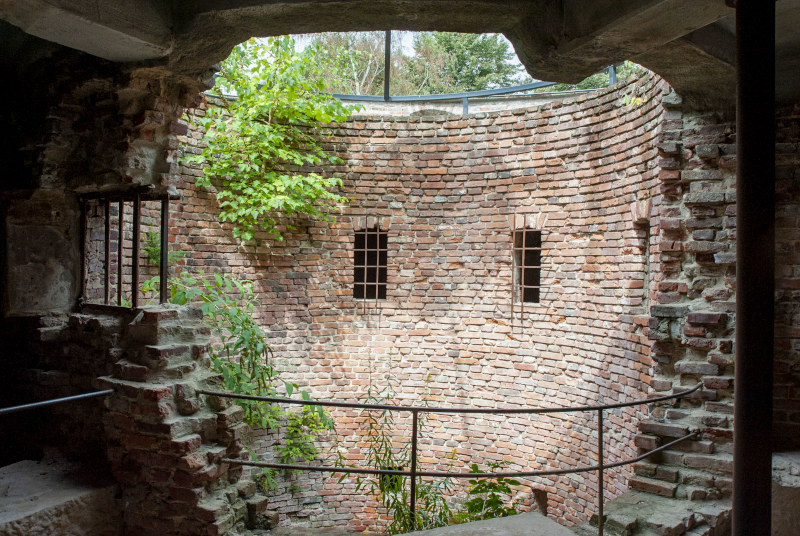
[
  {"x": 527, "y": 265},
  {"x": 369, "y": 266}
]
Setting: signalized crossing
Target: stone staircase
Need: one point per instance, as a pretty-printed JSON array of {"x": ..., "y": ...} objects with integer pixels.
[{"x": 636, "y": 513}]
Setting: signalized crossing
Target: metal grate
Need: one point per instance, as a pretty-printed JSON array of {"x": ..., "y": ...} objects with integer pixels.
[
  {"x": 370, "y": 258},
  {"x": 527, "y": 265},
  {"x": 102, "y": 205}
]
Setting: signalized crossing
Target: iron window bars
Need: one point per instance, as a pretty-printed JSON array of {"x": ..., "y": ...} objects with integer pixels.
[
  {"x": 527, "y": 265},
  {"x": 370, "y": 259},
  {"x": 416, "y": 410},
  {"x": 135, "y": 198}
]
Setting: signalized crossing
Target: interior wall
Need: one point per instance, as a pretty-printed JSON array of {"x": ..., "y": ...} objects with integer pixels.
[{"x": 444, "y": 189}]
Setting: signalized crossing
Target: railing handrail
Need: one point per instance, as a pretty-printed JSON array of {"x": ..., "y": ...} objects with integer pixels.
[
  {"x": 434, "y": 409},
  {"x": 446, "y": 474},
  {"x": 416, "y": 410},
  {"x": 43, "y": 403}
]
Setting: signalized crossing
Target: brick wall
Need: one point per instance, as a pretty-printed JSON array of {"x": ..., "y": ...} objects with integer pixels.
[
  {"x": 693, "y": 318},
  {"x": 445, "y": 188},
  {"x": 787, "y": 336}
]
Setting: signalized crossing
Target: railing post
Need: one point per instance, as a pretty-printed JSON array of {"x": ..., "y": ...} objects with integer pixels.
[
  {"x": 387, "y": 64},
  {"x": 600, "y": 520},
  {"x": 164, "y": 264},
  {"x": 107, "y": 260},
  {"x": 413, "y": 521},
  {"x": 137, "y": 220}
]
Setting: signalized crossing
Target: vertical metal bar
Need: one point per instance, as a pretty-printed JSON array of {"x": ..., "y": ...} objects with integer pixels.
[
  {"x": 465, "y": 105},
  {"x": 163, "y": 273},
  {"x": 387, "y": 64},
  {"x": 107, "y": 271},
  {"x": 137, "y": 216},
  {"x": 612, "y": 75},
  {"x": 755, "y": 267},
  {"x": 413, "y": 510},
  {"x": 600, "y": 500},
  {"x": 119, "y": 251},
  {"x": 83, "y": 249}
]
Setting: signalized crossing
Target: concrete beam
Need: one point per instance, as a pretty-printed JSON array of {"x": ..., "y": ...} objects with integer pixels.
[
  {"x": 596, "y": 34},
  {"x": 116, "y": 30}
]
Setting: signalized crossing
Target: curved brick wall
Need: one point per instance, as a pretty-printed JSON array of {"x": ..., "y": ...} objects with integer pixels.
[{"x": 445, "y": 188}]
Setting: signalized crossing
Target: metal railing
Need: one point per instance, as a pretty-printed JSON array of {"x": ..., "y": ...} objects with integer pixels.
[
  {"x": 54, "y": 401},
  {"x": 416, "y": 410}
]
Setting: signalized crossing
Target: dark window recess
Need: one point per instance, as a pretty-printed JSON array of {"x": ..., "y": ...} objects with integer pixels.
[
  {"x": 369, "y": 266},
  {"x": 527, "y": 266}
]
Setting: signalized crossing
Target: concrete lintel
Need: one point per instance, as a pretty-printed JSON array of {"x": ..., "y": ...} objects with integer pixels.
[
  {"x": 596, "y": 34},
  {"x": 113, "y": 30}
]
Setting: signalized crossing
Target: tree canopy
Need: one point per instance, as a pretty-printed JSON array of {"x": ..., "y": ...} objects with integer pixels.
[{"x": 440, "y": 63}]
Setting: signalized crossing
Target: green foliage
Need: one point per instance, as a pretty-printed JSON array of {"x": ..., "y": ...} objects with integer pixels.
[
  {"x": 261, "y": 144},
  {"x": 473, "y": 62},
  {"x": 440, "y": 63},
  {"x": 352, "y": 62},
  {"x": 393, "y": 492},
  {"x": 152, "y": 248},
  {"x": 486, "y": 500},
  {"x": 245, "y": 360},
  {"x": 595, "y": 81}
]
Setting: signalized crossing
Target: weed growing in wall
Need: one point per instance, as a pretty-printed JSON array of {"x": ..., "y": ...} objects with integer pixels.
[
  {"x": 383, "y": 451},
  {"x": 260, "y": 144}
]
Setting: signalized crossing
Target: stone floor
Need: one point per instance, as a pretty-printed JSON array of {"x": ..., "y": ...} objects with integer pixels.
[
  {"x": 54, "y": 497},
  {"x": 530, "y": 524}
]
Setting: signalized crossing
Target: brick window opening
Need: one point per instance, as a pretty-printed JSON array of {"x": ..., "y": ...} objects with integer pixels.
[
  {"x": 527, "y": 266},
  {"x": 369, "y": 266}
]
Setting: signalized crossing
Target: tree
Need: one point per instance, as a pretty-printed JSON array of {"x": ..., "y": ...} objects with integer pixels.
[
  {"x": 440, "y": 63},
  {"x": 472, "y": 62},
  {"x": 350, "y": 62},
  {"x": 595, "y": 81},
  {"x": 262, "y": 144}
]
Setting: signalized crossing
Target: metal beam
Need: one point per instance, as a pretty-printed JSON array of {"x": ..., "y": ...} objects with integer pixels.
[
  {"x": 387, "y": 64},
  {"x": 755, "y": 267}
]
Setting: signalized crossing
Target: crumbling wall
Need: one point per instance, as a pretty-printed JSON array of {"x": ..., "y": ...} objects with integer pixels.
[{"x": 692, "y": 324}]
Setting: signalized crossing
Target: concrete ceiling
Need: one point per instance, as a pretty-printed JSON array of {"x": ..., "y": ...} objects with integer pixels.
[{"x": 688, "y": 42}]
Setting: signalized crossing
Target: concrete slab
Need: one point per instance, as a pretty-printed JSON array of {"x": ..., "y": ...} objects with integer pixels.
[
  {"x": 529, "y": 524},
  {"x": 55, "y": 498}
]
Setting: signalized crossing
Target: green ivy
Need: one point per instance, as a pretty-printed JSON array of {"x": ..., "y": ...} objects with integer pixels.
[{"x": 260, "y": 145}]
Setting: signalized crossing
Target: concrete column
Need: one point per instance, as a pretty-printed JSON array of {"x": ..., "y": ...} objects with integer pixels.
[{"x": 755, "y": 267}]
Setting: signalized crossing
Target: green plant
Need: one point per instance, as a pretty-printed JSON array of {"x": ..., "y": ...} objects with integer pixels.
[
  {"x": 486, "y": 494},
  {"x": 152, "y": 248},
  {"x": 393, "y": 492},
  {"x": 245, "y": 360},
  {"x": 261, "y": 144}
]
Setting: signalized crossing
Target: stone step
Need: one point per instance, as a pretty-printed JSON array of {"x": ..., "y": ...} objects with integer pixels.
[
  {"x": 56, "y": 498},
  {"x": 651, "y": 485}
]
